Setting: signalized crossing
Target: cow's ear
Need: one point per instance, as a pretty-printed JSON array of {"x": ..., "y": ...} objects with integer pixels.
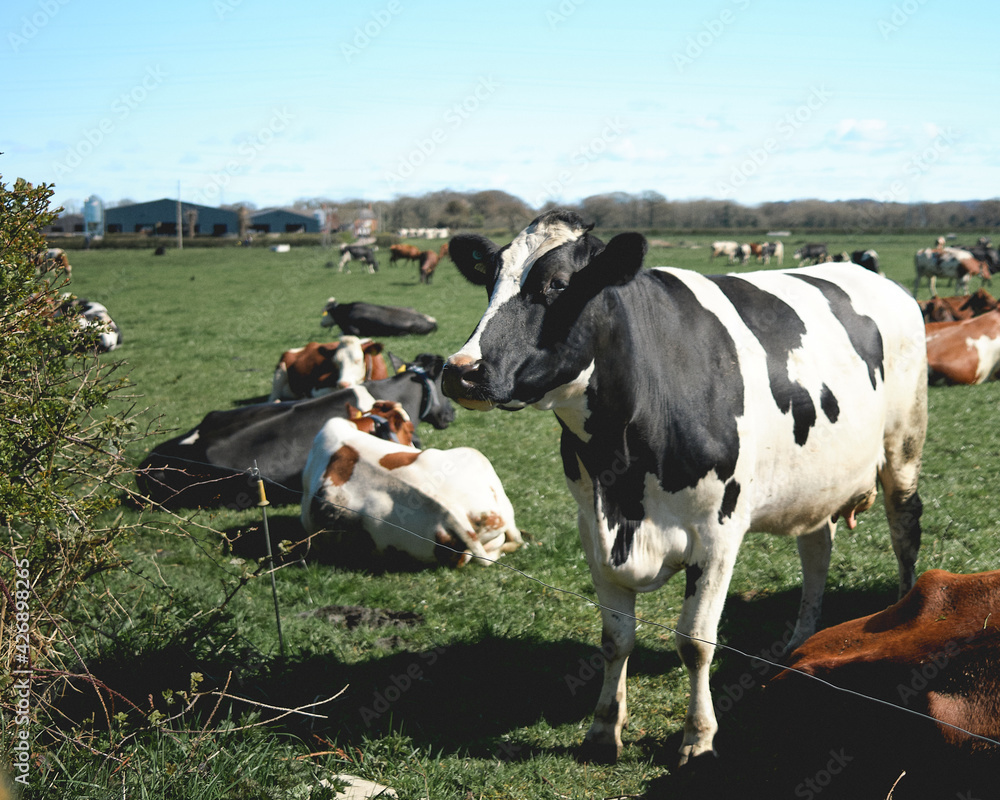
[
  {"x": 618, "y": 263},
  {"x": 398, "y": 365},
  {"x": 374, "y": 348},
  {"x": 473, "y": 255}
]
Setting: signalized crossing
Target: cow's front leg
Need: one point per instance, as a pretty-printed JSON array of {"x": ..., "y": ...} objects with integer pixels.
[
  {"x": 814, "y": 553},
  {"x": 708, "y": 578},
  {"x": 603, "y": 742}
]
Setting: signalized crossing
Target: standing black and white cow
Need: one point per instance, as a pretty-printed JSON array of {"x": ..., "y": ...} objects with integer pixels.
[
  {"x": 357, "y": 252},
  {"x": 695, "y": 409}
]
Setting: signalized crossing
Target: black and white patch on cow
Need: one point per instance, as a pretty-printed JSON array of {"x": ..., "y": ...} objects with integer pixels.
[{"x": 695, "y": 409}]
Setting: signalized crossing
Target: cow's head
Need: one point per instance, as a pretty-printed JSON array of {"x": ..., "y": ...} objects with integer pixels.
[
  {"x": 435, "y": 408},
  {"x": 348, "y": 361},
  {"x": 326, "y": 319},
  {"x": 544, "y": 289}
]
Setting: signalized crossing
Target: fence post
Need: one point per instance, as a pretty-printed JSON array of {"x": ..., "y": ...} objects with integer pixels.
[{"x": 263, "y": 504}]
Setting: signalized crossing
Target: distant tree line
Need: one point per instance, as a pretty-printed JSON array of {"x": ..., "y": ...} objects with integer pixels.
[{"x": 497, "y": 210}]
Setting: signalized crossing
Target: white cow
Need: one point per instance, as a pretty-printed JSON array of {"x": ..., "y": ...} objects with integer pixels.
[
  {"x": 437, "y": 506},
  {"x": 728, "y": 249}
]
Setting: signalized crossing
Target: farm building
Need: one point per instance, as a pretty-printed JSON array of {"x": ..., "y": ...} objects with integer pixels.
[
  {"x": 282, "y": 220},
  {"x": 365, "y": 223},
  {"x": 65, "y": 223},
  {"x": 160, "y": 217}
]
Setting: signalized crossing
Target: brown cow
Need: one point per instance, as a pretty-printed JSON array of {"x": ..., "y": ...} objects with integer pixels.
[
  {"x": 428, "y": 263},
  {"x": 407, "y": 252},
  {"x": 935, "y": 651},
  {"x": 966, "y": 352},
  {"x": 317, "y": 369}
]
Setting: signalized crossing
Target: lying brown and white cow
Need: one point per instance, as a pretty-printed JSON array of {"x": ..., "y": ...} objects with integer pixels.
[
  {"x": 967, "y": 351},
  {"x": 53, "y": 259},
  {"x": 318, "y": 369},
  {"x": 369, "y": 495},
  {"x": 956, "y": 307},
  {"x": 936, "y": 651}
]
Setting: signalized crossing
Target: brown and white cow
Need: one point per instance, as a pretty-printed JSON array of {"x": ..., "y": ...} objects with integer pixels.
[
  {"x": 364, "y": 495},
  {"x": 53, "y": 259},
  {"x": 967, "y": 351},
  {"x": 317, "y": 369},
  {"x": 935, "y": 651}
]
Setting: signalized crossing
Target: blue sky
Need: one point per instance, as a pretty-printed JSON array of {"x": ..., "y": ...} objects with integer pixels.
[{"x": 751, "y": 100}]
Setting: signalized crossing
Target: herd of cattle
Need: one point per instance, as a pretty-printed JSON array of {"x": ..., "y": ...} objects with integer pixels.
[
  {"x": 784, "y": 399},
  {"x": 337, "y": 436},
  {"x": 427, "y": 260}
]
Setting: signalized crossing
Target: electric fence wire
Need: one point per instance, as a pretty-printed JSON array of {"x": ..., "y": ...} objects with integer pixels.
[{"x": 637, "y": 619}]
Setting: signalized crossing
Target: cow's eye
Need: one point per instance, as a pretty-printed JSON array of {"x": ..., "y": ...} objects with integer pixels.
[{"x": 555, "y": 288}]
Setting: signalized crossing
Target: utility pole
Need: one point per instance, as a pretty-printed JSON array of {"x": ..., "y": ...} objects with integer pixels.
[{"x": 180, "y": 220}]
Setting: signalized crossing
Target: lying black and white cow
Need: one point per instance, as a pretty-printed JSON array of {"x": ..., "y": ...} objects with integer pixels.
[
  {"x": 98, "y": 332},
  {"x": 207, "y": 466},
  {"x": 368, "y": 319},
  {"x": 867, "y": 259},
  {"x": 812, "y": 253},
  {"x": 357, "y": 252},
  {"x": 695, "y": 409}
]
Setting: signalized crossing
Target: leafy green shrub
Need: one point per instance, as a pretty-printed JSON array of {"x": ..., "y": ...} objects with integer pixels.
[{"x": 64, "y": 421}]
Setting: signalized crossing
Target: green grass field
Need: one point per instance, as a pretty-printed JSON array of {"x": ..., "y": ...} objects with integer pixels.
[{"x": 492, "y": 692}]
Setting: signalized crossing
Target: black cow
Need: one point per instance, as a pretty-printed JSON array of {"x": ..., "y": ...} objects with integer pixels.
[
  {"x": 695, "y": 409},
  {"x": 866, "y": 258},
  {"x": 208, "y": 466},
  {"x": 368, "y": 319},
  {"x": 812, "y": 253},
  {"x": 357, "y": 252}
]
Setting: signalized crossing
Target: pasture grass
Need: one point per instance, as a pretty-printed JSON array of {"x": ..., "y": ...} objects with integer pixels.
[{"x": 492, "y": 692}]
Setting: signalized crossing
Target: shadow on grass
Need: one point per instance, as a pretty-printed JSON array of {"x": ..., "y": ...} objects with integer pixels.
[
  {"x": 251, "y": 401},
  {"x": 470, "y": 698}
]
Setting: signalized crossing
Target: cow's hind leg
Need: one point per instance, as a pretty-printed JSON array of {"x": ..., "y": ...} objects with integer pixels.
[
  {"x": 814, "y": 554},
  {"x": 603, "y": 742}
]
